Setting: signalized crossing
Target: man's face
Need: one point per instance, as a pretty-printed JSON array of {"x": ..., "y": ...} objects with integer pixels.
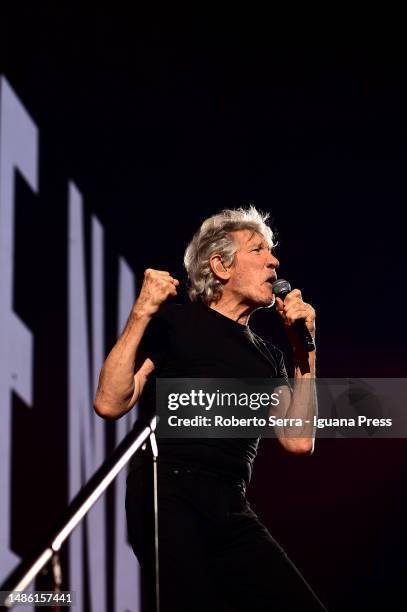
[{"x": 253, "y": 270}]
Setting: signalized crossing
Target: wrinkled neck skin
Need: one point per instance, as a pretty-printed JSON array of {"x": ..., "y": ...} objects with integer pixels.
[{"x": 233, "y": 308}]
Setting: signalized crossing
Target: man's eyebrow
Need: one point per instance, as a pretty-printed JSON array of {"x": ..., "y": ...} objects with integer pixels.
[
  {"x": 256, "y": 240},
  {"x": 262, "y": 243}
]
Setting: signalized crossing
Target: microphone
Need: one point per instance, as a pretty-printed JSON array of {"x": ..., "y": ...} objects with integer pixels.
[{"x": 281, "y": 288}]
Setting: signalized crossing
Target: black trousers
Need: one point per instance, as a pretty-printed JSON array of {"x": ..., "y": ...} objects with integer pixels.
[{"x": 214, "y": 553}]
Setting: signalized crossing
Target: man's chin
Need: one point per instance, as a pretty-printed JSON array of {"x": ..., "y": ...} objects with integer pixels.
[
  {"x": 267, "y": 303},
  {"x": 271, "y": 303}
]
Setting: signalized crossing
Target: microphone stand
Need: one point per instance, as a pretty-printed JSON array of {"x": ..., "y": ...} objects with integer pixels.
[{"x": 25, "y": 573}]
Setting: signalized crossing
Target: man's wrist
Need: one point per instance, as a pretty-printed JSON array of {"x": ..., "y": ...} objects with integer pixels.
[
  {"x": 304, "y": 362},
  {"x": 142, "y": 312}
]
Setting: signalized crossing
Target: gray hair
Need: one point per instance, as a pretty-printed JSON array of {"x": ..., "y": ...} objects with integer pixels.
[{"x": 214, "y": 236}]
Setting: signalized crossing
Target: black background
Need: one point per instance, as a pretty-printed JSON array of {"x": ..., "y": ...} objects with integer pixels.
[{"x": 162, "y": 121}]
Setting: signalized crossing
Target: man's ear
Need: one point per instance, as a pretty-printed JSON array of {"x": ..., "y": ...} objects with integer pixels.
[{"x": 218, "y": 267}]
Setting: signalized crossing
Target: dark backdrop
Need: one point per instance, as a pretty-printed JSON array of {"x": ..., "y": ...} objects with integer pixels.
[{"x": 162, "y": 122}]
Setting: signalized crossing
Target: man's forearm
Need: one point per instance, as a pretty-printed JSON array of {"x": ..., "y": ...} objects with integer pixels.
[
  {"x": 116, "y": 381},
  {"x": 120, "y": 384},
  {"x": 303, "y": 404},
  {"x": 303, "y": 401}
]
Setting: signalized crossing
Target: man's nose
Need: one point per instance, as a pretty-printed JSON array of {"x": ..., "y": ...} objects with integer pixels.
[{"x": 272, "y": 261}]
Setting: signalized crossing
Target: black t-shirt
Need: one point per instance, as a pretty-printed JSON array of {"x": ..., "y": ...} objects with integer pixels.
[{"x": 194, "y": 341}]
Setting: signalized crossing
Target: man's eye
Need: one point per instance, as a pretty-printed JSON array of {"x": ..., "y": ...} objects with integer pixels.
[{"x": 258, "y": 249}]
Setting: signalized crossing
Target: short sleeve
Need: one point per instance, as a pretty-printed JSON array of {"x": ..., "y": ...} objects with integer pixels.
[
  {"x": 281, "y": 369},
  {"x": 278, "y": 358},
  {"x": 155, "y": 341}
]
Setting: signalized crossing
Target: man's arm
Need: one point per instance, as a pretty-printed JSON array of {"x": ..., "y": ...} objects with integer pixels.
[
  {"x": 301, "y": 402},
  {"x": 121, "y": 382}
]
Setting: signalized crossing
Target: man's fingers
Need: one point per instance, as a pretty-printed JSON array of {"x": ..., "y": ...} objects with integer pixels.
[
  {"x": 279, "y": 304},
  {"x": 151, "y": 273},
  {"x": 169, "y": 281},
  {"x": 296, "y": 312},
  {"x": 294, "y": 307},
  {"x": 295, "y": 294}
]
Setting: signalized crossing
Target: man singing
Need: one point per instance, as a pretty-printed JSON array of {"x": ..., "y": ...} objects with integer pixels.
[{"x": 214, "y": 552}]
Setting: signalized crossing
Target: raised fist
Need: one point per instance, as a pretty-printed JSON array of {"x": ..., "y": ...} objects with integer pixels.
[{"x": 157, "y": 287}]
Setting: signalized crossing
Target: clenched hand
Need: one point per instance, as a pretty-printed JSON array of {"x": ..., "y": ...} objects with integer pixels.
[{"x": 158, "y": 286}]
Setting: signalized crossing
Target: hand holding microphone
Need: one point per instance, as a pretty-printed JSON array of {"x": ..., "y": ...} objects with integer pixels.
[{"x": 295, "y": 313}]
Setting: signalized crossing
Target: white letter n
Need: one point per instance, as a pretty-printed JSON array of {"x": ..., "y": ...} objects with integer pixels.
[{"x": 86, "y": 429}]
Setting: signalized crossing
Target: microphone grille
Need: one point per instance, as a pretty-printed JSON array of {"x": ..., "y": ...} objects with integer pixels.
[{"x": 281, "y": 287}]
